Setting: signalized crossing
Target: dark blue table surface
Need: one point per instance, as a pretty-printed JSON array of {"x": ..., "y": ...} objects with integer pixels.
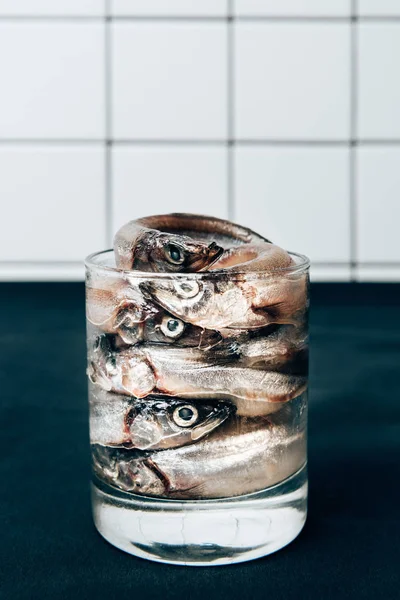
[{"x": 350, "y": 547}]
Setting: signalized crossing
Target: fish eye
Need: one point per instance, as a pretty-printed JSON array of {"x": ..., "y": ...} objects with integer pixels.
[
  {"x": 172, "y": 327},
  {"x": 187, "y": 289},
  {"x": 185, "y": 416},
  {"x": 174, "y": 254}
]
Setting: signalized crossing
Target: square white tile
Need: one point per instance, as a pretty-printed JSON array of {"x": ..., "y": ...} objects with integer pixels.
[
  {"x": 378, "y": 189},
  {"x": 163, "y": 179},
  {"x": 292, "y": 80},
  {"x": 52, "y": 80},
  {"x": 323, "y": 8},
  {"x": 52, "y": 7},
  {"x": 297, "y": 197},
  {"x": 169, "y": 80},
  {"x": 54, "y": 202},
  {"x": 42, "y": 272},
  {"x": 330, "y": 273},
  {"x": 378, "y": 81},
  {"x": 378, "y": 8},
  {"x": 378, "y": 274},
  {"x": 169, "y": 8}
]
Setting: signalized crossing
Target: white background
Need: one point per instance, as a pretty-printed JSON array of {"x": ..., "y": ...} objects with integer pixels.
[{"x": 283, "y": 115}]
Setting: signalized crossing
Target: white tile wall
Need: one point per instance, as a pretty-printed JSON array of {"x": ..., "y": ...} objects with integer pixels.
[
  {"x": 155, "y": 180},
  {"x": 52, "y": 80},
  {"x": 378, "y": 7},
  {"x": 378, "y": 183},
  {"x": 179, "y": 91},
  {"x": 381, "y": 274},
  {"x": 299, "y": 8},
  {"x": 52, "y": 206},
  {"x": 169, "y": 8},
  {"x": 38, "y": 8},
  {"x": 282, "y": 115},
  {"x": 292, "y": 81},
  {"x": 378, "y": 81},
  {"x": 298, "y": 197}
]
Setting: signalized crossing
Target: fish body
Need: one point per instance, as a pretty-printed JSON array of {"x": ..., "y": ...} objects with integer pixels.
[
  {"x": 227, "y": 303},
  {"x": 154, "y": 423},
  {"x": 262, "y": 257},
  {"x": 198, "y": 226},
  {"x": 184, "y": 377},
  {"x": 185, "y": 373},
  {"x": 284, "y": 349},
  {"x": 241, "y": 457}
]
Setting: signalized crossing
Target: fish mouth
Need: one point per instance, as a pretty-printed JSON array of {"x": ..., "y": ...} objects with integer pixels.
[
  {"x": 214, "y": 253},
  {"x": 129, "y": 470},
  {"x": 211, "y": 423},
  {"x": 205, "y": 259}
]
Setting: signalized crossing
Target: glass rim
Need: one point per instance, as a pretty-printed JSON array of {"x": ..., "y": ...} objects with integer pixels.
[{"x": 302, "y": 265}]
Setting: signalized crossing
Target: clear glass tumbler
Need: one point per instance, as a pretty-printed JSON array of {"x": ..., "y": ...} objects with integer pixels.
[{"x": 198, "y": 410}]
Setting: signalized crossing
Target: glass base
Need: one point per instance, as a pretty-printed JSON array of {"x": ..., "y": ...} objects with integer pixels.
[{"x": 206, "y": 532}]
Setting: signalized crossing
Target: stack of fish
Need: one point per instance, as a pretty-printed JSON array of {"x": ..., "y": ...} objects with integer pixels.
[{"x": 197, "y": 360}]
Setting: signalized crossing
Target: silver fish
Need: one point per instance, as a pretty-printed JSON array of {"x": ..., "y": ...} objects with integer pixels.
[
  {"x": 154, "y": 423},
  {"x": 176, "y": 242},
  {"x": 140, "y": 248},
  {"x": 188, "y": 372},
  {"x": 227, "y": 303},
  {"x": 241, "y": 457},
  {"x": 120, "y": 308}
]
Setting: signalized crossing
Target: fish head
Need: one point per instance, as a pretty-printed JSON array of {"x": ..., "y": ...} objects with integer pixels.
[
  {"x": 120, "y": 368},
  {"x": 183, "y": 297},
  {"x": 102, "y": 363},
  {"x": 165, "y": 328},
  {"x": 160, "y": 424},
  {"x": 139, "y": 476},
  {"x": 128, "y": 471},
  {"x": 171, "y": 253}
]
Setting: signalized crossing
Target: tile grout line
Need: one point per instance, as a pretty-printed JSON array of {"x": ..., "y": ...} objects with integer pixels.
[
  {"x": 108, "y": 124},
  {"x": 353, "y": 136},
  {"x": 196, "y": 142},
  {"x": 199, "y": 18},
  {"x": 230, "y": 111}
]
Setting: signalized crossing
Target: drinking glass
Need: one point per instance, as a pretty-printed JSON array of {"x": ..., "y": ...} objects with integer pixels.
[{"x": 198, "y": 410}]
